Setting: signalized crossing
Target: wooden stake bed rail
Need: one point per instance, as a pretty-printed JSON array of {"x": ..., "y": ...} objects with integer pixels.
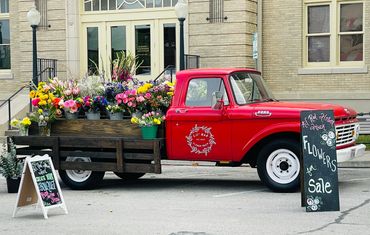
[{"x": 130, "y": 155}]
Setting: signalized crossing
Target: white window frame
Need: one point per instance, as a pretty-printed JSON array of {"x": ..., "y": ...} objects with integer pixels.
[
  {"x": 6, "y": 73},
  {"x": 334, "y": 65}
]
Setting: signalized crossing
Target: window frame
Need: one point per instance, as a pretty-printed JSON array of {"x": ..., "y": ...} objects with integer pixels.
[
  {"x": 6, "y": 73},
  {"x": 334, "y": 34}
]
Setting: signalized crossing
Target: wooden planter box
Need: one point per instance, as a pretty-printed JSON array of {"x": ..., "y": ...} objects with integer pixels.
[
  {"x": 102, "y": 127},
  {"x": 112, "y": 145}
]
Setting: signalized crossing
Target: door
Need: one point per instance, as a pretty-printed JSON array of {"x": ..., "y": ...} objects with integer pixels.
[
  {"x": 153, "y": 42},
  {"x": 198, "y": 131}
]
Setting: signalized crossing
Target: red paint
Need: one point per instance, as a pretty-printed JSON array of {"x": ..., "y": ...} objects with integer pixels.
[{"x": 234, "y": 129}]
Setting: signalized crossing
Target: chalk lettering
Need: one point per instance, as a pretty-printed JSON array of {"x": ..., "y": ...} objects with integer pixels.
[{"x": 319, "y": 187}]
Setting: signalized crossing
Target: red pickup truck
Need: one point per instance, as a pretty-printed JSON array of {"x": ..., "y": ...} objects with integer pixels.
[{"x": 229, "y": 115}]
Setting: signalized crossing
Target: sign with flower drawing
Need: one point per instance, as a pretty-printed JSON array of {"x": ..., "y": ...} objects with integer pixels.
[{"x": 320, "y": 172}]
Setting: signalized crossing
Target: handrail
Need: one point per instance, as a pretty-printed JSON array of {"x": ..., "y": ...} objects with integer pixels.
[
  {"x": 8, "y": 101},
  {"x": 169, "y": 67}
]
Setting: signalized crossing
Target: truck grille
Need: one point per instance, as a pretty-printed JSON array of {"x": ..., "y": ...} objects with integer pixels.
[{"x": 345, "y": 134}]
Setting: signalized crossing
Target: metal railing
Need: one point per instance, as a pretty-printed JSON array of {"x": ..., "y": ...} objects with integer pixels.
[
  {"x": 168, "y": 71},
  {"x": 192, "y": 61},
  {"x": 8, "y": 101},
  {"x": 47, "y": 69}
]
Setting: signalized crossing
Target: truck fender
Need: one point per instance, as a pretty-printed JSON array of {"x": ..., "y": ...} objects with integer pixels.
[{"x": 270, "y": 131}]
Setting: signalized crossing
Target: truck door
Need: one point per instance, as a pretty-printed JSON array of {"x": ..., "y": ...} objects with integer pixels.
[{"x": 198, "y": 131}]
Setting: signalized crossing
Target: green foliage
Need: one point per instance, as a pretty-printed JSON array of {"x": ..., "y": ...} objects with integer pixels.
[
  {"x": 364, "y": 139},
  {"x": 10, "y": 166}
]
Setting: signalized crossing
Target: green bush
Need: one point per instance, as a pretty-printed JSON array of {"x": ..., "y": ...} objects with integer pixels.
[
  {"x": 364, "y": 139},
  {"x": 10, "y": 166}
]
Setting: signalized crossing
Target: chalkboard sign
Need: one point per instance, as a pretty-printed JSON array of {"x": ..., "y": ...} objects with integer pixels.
[
  {"x": 320, "y": 172},
  {"x": 46, "y": 182},
  {"x": 39, "y": 185}
]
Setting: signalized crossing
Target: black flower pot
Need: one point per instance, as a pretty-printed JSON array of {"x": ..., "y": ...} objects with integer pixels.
[{"x": 13, "y": 184}]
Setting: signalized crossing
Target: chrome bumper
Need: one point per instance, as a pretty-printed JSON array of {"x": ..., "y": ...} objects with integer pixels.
[{"x": 350, "y": 153}]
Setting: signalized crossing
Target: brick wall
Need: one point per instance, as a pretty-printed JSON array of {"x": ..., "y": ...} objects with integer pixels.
[
  {"x": 227, "y": 44},
  {"x": 282, "y": 58},
  {"x": 51, "y": 43}
]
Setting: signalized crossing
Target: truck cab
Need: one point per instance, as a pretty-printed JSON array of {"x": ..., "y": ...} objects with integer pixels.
[{"x": 229, "y": 115}]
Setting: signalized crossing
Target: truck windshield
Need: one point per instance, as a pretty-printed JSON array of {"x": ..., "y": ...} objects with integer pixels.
[{"x": 249, "y": 87}]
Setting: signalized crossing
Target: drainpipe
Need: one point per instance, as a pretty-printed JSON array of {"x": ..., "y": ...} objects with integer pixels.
[{"x": 259, "y": 31}]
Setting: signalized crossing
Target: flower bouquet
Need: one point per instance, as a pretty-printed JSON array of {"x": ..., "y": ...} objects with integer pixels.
[
  {"x": 148, "y": 123},
  {"x": 21, "y": 125},
  {"x": 93, "y": 106},
  {"x": 47, "y": 108},
  {"x": 115, "y": 112}
]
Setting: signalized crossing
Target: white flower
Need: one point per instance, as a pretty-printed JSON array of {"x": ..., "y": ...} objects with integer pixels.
[
  {"x": 331, "y": 134},
  {"x": 324, "y": 137}
]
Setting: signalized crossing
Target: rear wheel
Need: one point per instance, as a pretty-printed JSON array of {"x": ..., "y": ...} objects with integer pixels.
[
  {"x": 278, "y": 165},
  {"x": 81, "y": 179},
  {"x": 129, "y": 176}
]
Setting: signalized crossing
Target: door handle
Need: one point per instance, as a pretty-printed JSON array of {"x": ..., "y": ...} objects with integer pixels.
[{"x": 181, "y": 110}]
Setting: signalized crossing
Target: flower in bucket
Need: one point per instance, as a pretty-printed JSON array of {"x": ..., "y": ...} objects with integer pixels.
[
  {"x": 21, "y": 125},
  {"x": 45, "y": 102},
  {"x": 115, "y": 108},
  {"x": 94, "y": 104},
  {"x": 72, "y": 106},
  {"x": 148, "y": 119}
]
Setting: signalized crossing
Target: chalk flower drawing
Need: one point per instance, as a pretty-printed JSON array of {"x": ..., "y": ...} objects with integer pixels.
[
  {"x": 328, "y": 139},
  {"x": 201, "y": 140},
  {"x": 314, "y": 204}
]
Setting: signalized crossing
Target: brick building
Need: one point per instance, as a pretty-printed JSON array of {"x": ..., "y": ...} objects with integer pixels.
[{"x": 302, "y": 44}]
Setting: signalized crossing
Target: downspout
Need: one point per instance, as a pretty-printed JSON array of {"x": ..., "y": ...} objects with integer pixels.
[{"x": 259, "y": 38}]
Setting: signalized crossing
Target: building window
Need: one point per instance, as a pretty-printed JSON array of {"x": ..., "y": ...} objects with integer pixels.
[
  {"x": 42, "y": 7},
  {"x": 107, "y": 5},
  {"x": 216, "y": 11},
  {"x": 333, "y": 33},
  {"x": 4, "y": 35}
]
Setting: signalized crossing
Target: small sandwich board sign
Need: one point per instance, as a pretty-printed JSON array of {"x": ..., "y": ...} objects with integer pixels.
[
  {"x": 39, "y": 185},
  {"x": 320, "y": 172}
]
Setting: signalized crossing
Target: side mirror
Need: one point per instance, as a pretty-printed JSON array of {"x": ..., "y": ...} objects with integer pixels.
[{"x": 217, "y": 101}]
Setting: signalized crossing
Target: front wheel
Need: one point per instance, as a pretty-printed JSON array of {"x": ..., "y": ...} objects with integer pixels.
[
  {"x": 278, "y": 165},
  {"x": 81, "y": 179}
]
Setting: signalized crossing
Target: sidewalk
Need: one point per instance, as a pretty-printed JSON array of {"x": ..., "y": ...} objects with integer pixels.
[{"x": 362, "y": 162}]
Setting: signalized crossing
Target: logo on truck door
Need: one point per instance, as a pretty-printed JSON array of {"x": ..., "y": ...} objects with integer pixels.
[{"x": 201, "y": 140}]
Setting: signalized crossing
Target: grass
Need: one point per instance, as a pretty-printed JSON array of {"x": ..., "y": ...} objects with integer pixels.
[{"x": 364, "y": 139}]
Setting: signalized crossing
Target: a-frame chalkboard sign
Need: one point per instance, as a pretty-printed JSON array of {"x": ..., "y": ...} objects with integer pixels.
[
  {"x": 320, "y": 172},
  {"x": 39, "y": 185}
]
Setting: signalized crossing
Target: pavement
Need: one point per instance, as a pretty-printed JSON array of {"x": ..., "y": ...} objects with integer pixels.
[{"x": 359, "y": 162}]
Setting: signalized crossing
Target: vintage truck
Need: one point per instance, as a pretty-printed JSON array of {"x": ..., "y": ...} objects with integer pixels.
[{"x": 226, "y": 116}]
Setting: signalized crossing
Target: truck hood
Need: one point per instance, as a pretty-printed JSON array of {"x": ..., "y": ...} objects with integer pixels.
[{"x": 295, "y": 108}]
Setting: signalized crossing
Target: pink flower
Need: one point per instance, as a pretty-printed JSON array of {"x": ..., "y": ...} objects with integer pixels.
[
  {"x": 130, "y": 104},
  {"x": 148, "y": 95},
  {"x": 67, "y": 92},
  {"x": 76, "y": 91},
  {"x": 35, "y": 101},
  {"x": 140, "y": 99}
]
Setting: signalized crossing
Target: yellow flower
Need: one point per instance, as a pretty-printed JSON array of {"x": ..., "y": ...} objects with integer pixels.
[
  {"x": 14, "y": 122},
  {"x": 26, "y": 121},
  {"x": 170, "y": 93},
  {"x": 45, "y": 97},
  {"x": 134, "y": 120},
  {"x": 49, "y": 101},
  {"x": 156, "y": 121},
  {"x": 42, "y": 102},
  {"x": 32, "y": 94},
  {"x": 40, "y": 111}
]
